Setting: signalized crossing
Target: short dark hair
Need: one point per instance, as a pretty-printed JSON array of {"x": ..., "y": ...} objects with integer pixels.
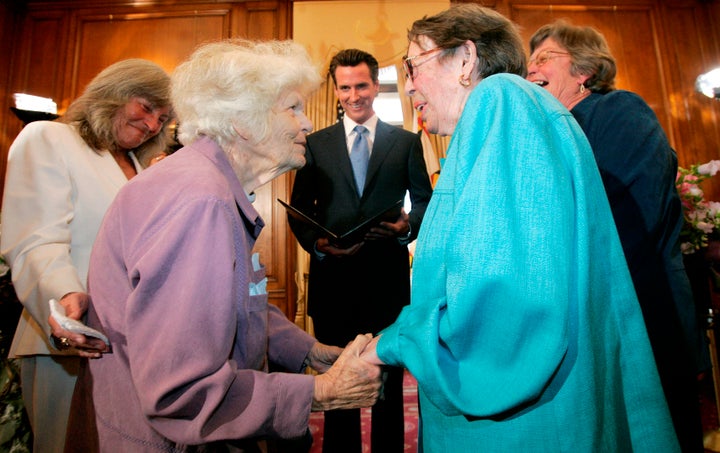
[
  {"x": 354, "y": 57},
  {"x": 497, "y": 40}
]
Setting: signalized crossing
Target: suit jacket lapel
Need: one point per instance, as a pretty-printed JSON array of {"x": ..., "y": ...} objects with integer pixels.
[
  {"x": 337, "y": 145},
  {"x": 384, "y": 140}
]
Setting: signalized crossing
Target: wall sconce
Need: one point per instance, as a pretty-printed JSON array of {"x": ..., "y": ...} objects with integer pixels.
[
  {"x": 709, "y": 84},
  {"x": 31, "y": 108}
]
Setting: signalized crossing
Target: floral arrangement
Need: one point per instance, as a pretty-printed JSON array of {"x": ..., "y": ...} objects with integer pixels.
[{"x": 702, "y": 217}]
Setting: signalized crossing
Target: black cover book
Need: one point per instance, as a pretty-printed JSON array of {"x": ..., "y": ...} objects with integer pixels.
[{"x": 354, "y": 234}]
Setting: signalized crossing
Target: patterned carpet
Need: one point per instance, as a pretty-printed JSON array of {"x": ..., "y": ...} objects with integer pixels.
[
  {"x": 411, "y": 416},
  {"x": 707, "y": 404}
]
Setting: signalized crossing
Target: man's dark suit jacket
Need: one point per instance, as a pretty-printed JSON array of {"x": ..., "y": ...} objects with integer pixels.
[{"x": 364, "y": 292}]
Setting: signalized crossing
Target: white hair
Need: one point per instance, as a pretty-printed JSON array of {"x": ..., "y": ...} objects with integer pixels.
[{"x": 237, "y": 81}]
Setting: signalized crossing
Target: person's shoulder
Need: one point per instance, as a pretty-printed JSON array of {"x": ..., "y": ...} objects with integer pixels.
[
  {"x": 504, "y": 78},
  {"x": 511, "y": 90},
  {"x": 505, "y": 81},
  {"x": 393, "y": 129},
  {"x": 510, "y": 85},
  {"x": 188, "y": 174},
  {"x": 40, "y": 137},
  {"x": 46, "y": 128},
  {"x": 620, "y": 99},
  {"x": 328, "y": 130},
  {"x": 621, "y": 105}
]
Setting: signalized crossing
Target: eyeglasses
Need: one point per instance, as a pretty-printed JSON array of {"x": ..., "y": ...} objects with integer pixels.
[
  {"x": 545, "y": 56},
  {"x": 410, "y": 68}
]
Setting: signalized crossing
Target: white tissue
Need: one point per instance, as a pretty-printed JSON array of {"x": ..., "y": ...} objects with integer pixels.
[{"x": 57, "y": 311}]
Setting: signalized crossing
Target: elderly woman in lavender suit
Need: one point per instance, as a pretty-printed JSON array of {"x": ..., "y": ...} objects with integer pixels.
[{"x": 179, "y": 293}]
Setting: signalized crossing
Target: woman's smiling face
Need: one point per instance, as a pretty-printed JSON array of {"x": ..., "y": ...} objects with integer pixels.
[
  {"x": 138, "y": 121},
  {"x": 550, "y": 67},
  {"x": 435, "y": 90}
]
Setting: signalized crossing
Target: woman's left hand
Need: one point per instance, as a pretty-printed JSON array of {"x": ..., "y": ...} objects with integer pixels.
[{"x": 76, "y": 304}]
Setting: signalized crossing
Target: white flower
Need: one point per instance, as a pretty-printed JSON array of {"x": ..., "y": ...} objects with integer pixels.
[
  {"x": 687, "y": 248},
  {"x": 705, "y": 227},
  {"x": 713, "y": 208},
  {"x": 695, "y": 191},
  {"x": 695, "y": 215},
  {"x": 709, "y": 168}
]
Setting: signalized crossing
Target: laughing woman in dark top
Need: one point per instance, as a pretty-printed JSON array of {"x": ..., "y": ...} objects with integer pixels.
[{"x": 638, "y": 169}]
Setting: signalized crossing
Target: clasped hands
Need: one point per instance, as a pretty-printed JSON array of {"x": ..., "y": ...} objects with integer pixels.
[{"x": 354, "y": 380}]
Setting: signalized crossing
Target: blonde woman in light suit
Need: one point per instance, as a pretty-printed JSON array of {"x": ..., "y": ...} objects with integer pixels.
[{"x": 61, "y": 178}]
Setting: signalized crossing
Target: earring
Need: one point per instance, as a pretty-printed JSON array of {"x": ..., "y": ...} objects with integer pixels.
[
  {"x": 464, "y": 81},
  {"x": 582, "y": 88}
]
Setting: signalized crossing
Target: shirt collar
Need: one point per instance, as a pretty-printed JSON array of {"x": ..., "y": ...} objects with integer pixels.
[{"x": 370, "y": 124}]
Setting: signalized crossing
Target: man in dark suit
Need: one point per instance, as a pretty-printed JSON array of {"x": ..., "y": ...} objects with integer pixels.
[{"x": 362, "y": 287}]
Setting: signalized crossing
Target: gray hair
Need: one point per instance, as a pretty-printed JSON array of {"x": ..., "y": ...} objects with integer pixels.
[
  {"x": 237, "y": 81},
  {"x": 589, "y": 53},
  {"x": 496, "y": 38},
  {"x": 93, "y": 112}
]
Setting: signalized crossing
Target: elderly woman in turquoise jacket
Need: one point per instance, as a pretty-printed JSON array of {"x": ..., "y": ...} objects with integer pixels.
[{"x": 524, "y": 331}]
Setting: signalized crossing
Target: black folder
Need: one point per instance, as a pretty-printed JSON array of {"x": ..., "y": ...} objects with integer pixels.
[{"x": 354, "y": 234}]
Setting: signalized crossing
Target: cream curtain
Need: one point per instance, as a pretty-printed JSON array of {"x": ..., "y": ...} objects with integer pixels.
[{"x": 378, "y": 27}]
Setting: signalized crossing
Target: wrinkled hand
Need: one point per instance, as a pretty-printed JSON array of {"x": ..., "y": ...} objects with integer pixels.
[
  {"x": 386, "y": 230},
  {"x": 76, "y": 304},
  {"x": 322, "y": 356},
  {"x": 323, "y": 245},
  {"x": 350, "y": 383},
  {"x": 369, "y": 354}
]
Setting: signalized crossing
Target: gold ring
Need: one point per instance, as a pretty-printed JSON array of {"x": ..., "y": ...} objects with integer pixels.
[{"x": 64, "y": 342}]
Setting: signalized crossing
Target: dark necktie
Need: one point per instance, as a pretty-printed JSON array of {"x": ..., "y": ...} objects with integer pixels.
[{"x": 359, "y": 156}]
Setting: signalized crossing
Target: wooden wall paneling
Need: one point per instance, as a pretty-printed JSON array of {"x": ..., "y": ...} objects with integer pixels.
[
  {"x": 264, "y": 19},
  {"x": 9, "y": 124},
  {"x": 166, "y": 37},
  {"x": 36, "y": 66},
  {"x": 268, "y": 20},
  {"x": 39, "y": 69},
  {"x": 276, "y": 245},
  {"x": 693, "y": 48},
  {"x": 709, "y": 113},
  {"x": 689, "y": 55}
]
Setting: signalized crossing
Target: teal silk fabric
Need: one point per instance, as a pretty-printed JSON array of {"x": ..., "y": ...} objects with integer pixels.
[{"x": 524, "y": 332}]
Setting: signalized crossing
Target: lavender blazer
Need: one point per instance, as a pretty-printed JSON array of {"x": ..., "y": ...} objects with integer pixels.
[{"x": 172, "y": 281}]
